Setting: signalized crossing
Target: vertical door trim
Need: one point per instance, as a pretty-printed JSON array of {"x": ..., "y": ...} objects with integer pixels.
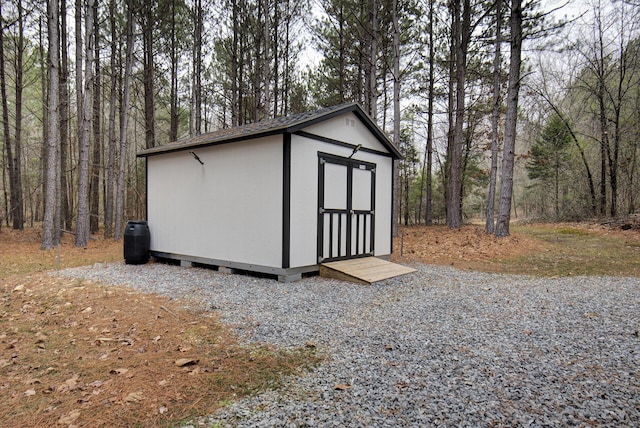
[{"x": 286, "y": 200}]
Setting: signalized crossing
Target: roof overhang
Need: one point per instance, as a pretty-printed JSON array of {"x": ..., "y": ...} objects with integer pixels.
[{"x": 289, "y": 124}]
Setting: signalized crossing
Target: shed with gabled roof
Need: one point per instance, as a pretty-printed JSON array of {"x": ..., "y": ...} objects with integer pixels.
[{"x": 279, "y": 196}]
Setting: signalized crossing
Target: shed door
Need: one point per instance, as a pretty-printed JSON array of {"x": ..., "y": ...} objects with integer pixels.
[{"x": 346, "y": 208}]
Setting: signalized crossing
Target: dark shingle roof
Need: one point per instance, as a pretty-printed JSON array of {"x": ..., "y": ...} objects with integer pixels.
[{"x": 279, "y": 125}]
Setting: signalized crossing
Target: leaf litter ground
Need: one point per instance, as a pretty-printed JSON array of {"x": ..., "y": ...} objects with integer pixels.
[{"x": 77, "y": 353}]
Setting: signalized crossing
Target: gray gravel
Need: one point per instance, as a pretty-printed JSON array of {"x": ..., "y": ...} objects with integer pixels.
[{"x": 440, "y": 347}]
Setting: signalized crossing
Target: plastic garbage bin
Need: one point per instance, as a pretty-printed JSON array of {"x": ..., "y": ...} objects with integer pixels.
[{"x": 136, "y": 243}]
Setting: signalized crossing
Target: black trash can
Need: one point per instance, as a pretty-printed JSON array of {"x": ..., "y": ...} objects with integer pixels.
[{"x": 136, "y": 243}]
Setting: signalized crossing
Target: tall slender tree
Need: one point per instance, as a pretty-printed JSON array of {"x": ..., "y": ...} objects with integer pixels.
[
  {"x": 113, "y": 97},
  {"x": 18, "y": 220},
  {"x": 147, "y": 12},
  {"x": 83, "y": 229},
  {"x": 51, "y": 229},
  {"x": 431, "y": 95},
  {"x": 66, "y": 195},
  {"x": 11, "y": 159},
  {"x": 96, "y": 161},
  {"x": 513, "y": 92},
  {"x": 197, "y": 66},
  {"x": 463, "y": 37},
  {"x": 495, "y": 117},
  {"x": 396, "y": 111},
  {"x": 124, "y": 122}
]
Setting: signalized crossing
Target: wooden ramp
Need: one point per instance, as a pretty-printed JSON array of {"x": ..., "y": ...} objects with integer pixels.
[{"x": 365, "y": 270}]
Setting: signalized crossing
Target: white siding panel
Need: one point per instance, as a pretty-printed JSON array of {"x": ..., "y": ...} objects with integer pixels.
[
  {"x": 228, "y": 209},
  {"x": 349, "y": 129},
  {"x": 304, "y": 195}
]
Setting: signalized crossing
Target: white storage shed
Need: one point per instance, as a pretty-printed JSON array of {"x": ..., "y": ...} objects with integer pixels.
[{"x": 279, "y": 196}]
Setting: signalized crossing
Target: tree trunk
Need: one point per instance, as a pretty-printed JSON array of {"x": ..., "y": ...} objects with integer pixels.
[
  {"x": 508, "y": 156},
  {"x": 600, "y": 94},
  {"x": 96, "y": 163},
  {"x": 149, "y": 94},
  {"x": 111, "y": 156},
  {"x": 396, "y": 114},
  {"x": 51, "y": 230},
  {"x": 45, "y": 123},
  {"x": 235, "y": 90},
  {"x": 428, "y": 219},
  {"x": 454, "y": 200},
  {"x": 454, "y": 10},
  {"x": 197, "y": 58},
  {"x": 65, "y": 195},
  {"x": 495, "y": 116},
  {"x": 124, "y": 118},
  {"x": 173, "y": 97},
  {"x": 83, "y": 229},
  {"x": 78, "y": 53},
  {"x": 266, "y": 71},
  {"x": 373, "y": 59},
  {"x": 8, "y": 144},
  {"x": 18, "y": 211}
]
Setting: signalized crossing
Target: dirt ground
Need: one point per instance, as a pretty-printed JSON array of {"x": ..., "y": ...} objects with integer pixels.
[
  {"x": 80, "y": 354},
  {"x": 75, "y": 353}
]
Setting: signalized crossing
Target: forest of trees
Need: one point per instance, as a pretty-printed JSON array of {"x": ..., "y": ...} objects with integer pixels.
[{"x": 502, "y": 108}]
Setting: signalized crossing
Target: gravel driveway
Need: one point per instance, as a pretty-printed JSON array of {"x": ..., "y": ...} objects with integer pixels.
[{"x": 440, "y": 347}]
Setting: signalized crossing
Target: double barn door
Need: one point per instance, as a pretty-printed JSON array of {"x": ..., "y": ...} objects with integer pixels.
[{"x": 346, "y": 208}]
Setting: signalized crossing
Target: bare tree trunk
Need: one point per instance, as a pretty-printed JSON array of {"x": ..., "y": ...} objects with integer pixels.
[
  {"x": 96, "y": 162},
  {"x": 65, "y": 195},
  {"x": 51, "y": 230},
  {"x": 495, "y": 116},
  {"x": 235, "y": 98},
  {"x": 373, "y": 59},
  {"x": 396, "y": 114},
  {"x": 173, "y": 97},
  {"x": 124, "y": 118},
  {"x": 149, "y": 92},
  {"x": 266, "y": 78},
  {"x": 197, "y": 69},
  {"x": 601, "y": 76},
  {"x": 454, "y": 200},
  {"x": 83, "y": 229},
  {"x": 432, "y": 55},
  {"x": 79, "y": 59},
  {"x": 45, "y": 123},
  {"x": 454, "y": 10},
  {"x": 342, "y": 55},
  {"x": 617, "y": 99},
  {"x": 111, "y": 156},
  {"x": 508, "y": 156},
  {"x": 6, "y": 129},
  {"x": 18, "y": 212}
]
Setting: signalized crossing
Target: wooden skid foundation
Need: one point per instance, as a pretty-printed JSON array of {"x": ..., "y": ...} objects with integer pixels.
[{"x": 365, "y": 270}]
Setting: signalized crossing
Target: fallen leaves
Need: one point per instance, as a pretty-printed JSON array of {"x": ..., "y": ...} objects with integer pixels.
[
  {"x": 69, "y": 384},
  {"x": 464, "y": 247},
  {"x": 69, "y": 418},
  {"x": 89, "y": 355},
  {"x": 134, "y": 397},
  {"x": 182, "y": 362}
]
